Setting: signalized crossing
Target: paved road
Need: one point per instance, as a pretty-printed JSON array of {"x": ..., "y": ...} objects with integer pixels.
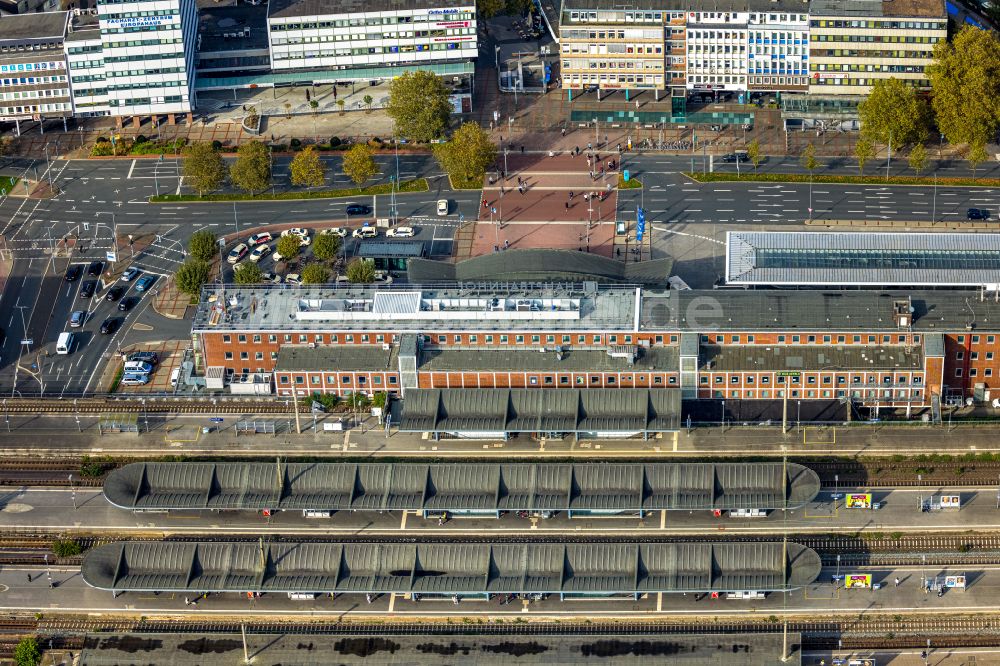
[{"x": 59, "y": 509}]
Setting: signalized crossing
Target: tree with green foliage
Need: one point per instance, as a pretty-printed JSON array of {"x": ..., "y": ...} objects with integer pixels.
[
  {"x": 918, "y": 158},
  {"x": 379, "y": 399},
  {"x": 340, "y": 106},
  {"x": 368, "y": 99},
  {"x": 359, "y": 163},
  {"x": 468, "y": 154},
  {"x": 248, "y": 273},
  {"x": 864, "y": 150},
  {"x": 490, "y": 8},
  {"x": 307, "y": 169},
  {"x": 965, "y": 78},
  {"x": 361, "y": 271},
  {"x": 808, "y": 159},
  {"x": 326, "y": 246},
  {"x": 202, "y": 245},
  {"x": 27, "y": 652},
  {"x": 190, "y": 277},
  {"x": 976, "y": 155},
  {"x": 754, "y": 154},
  {"x": 419, "y": 105},
  {"x": 315, "y": 273},
  {"x": 251, "y": 172},
  {"x": 288, "y": 246},
  {"x": 203, "y": 168},
  {"x": 893, "y": 114}
]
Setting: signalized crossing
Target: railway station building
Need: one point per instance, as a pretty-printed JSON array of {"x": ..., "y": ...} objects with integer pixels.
[
  {"x": 457, "y": 569},
  {"x": 877, "y": 348},
  {"x": 479, "y": 489}
]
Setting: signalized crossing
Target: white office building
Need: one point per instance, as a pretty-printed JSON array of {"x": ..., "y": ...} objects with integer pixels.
[
  {"x": 135, "y": 60},
  {"x": 353, "y": 34},
  {"x": 717, "y": 50}
]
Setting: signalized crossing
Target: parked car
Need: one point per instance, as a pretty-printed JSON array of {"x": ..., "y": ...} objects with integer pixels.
[
  {"x": 260, "y": 252},
  {"x": 365, "y": 232},
  {"x": 978, "y": 214},
  {"x": 95, "y": 268},
  {"x": 400, "y": 232},
  {"x": 134, "y": 379},
  {"x": 293, "y": 278},
  {"x": 144, "y": 357},
  {"x": 237, "y": 253},
  {"x": 130, "y": 274},
  {"x": 138, "y": 367},
  {"x": 271, "y": 277},
  {"x": 115, "y": 293},
  {"x": 262, "y": 237},
  {"x": 73, "y": 273},
  {"x": 358, "y": 209},
  {"x": 336, "y": 231},
  {"x": 127, "y": 303},
  {"x": 87, "y": 288},
  {"x": 76, "y": 318},
  {"x": 739, "y": 156},
  {"x": 144, "y": 283},
  {"x": 298, "y": 231},
  {"x": 442, "y": 207},
  {"x": 110, "y": 325}
]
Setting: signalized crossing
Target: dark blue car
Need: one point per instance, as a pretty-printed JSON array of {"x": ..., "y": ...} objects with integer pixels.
[{"x": 144, "y": 283}]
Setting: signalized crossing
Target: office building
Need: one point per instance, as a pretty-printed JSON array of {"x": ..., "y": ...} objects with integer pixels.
[
  {"x": 34, "y": 83},
  {"x": 824, "y": 47}
]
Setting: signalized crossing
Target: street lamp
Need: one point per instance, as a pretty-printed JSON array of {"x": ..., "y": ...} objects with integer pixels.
[{"x": 73, "y": 487}]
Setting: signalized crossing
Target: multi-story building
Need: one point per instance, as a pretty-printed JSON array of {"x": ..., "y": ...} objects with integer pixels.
[
  {"x": 901, "y": 349},
  {"x": 760, "y": 45},
  {"x": 317, "y": 36},
  {"x": 85, "y": 56},
  {"x": 34, "y": 84},
  {"x": 148, "y": 50},
  {"x": 853, "y": 44}
]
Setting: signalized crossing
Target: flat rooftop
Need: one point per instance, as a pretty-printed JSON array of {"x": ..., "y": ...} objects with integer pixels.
[
  {"x": 515, "y": 307},
  {"x": 415, "y": 308},
  {"x": 876, "y": 8},
  {"x": 760, "y": 358},
  {"x": 236, "y": 28},
  {"x": 41, "y": 25},
  {"x": 317, "y": 8},
  {"x": 663, "y": 359},
  {"x": 783, "y": 258},
  {"x": 339, "y": 357}
]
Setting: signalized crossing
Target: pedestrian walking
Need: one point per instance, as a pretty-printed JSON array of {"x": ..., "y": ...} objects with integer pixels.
[
  {"x": 522, "y": 150},
  {"x": 896, "y": 581},
  {"x": 592, "y": 174},
  {"x": 576, "y": 150},
  {"x": 506, "y": 244},
  {"x": 571, "y": 195},
  {"x": 29, "y": 578},
  {"x": 564, "y": 131},
  {"x": 590, "y": 146},
  {"x": 602, "y": 170},
  {"x": 567, "y": 205}
]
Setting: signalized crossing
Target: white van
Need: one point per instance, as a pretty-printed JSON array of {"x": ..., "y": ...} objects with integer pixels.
[
  {"x": 175, "y": 375},
  {"x": 64, "y": 344}
]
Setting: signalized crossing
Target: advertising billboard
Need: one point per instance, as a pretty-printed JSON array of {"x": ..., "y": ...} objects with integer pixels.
[
  {"x": 955, "y": 581},
  {"x": 859, "y": 500},
  {"x": 857, "y": 580},
  {"x": 951, "y": 501}
]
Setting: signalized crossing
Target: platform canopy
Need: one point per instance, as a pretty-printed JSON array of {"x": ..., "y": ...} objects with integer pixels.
[
  {"x": 567, "y": 410},
  {"x": 461, "y": 487},
  {"x": 449, "y": 568}
]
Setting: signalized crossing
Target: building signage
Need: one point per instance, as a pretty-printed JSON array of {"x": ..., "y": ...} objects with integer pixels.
[
  {"x": 858, "y": 580},
  {"x": 789, "y": 373},
  {"x": 140, "y": 21},
  {"x": 859, "y": 501},
  {"x": 452, "y": 24}
]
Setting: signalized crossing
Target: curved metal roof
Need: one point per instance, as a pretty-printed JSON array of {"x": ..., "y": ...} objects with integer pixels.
[
  {"x": 460, "y": 486},
  {"x": 449, "y": 568}
]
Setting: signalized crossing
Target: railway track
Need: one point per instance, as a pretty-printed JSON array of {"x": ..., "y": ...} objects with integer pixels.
[{"x": 92, "y": 406}]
